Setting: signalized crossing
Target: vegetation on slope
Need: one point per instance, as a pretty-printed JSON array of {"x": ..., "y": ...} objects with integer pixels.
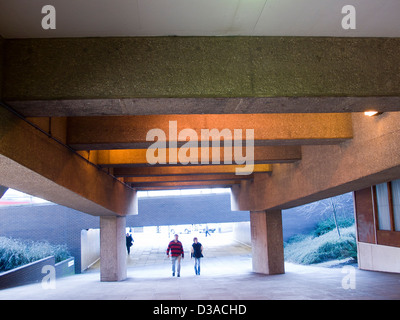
[{"x": 324, "y": 243}]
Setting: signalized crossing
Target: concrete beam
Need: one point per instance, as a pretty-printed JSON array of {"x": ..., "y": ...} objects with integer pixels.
[
  {"x": 55, "y": 126},
  {"x": 187, "y": 178},
  {"x": 199, "y": 105},
  {"x": 182, "y": 187},
  {"x": 2, "y": 42},
  {"x": 134, "y": 157},
  {"x": 370, "y": 158},
  {"x": 214, "y": 67},
  {"x": 127, "y": 132},
  {"x": 177, "y": 185},
  {"x": 186, "y": 170},
  {"x": 33, "y": 163}
]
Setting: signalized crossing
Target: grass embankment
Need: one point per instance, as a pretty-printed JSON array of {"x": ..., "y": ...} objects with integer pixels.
[{"x": 323, "y": 244}]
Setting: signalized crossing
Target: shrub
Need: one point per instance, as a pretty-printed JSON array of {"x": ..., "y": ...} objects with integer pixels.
[
  {"x": 15, "y": 252},
  {"x": 328, "y": 246},
  {"x": 327, "y": 225}
]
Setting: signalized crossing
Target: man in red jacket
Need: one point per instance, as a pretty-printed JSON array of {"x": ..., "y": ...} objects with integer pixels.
[{"x": 176, "y": 248}]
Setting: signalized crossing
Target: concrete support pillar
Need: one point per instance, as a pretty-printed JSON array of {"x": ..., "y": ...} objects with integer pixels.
[
  {"x": 267, "y": 241},
  {"x": 112, "y": 248}
]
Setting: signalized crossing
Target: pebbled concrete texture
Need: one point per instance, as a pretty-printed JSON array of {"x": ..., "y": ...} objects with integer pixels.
[
  {"x": 194, "y": 106},
  {"x": 224, "y": 276},
  {"x": 2, "y": 41},
  {"x": 184, "y": 67}
]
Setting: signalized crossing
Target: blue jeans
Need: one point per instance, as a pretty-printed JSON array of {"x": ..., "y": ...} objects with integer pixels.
[
  {"x": 197, "y": 266},
  {"x": 174, "y": 260}
]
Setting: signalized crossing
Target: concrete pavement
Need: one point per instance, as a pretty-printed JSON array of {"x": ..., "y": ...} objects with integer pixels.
[{"x": 226, "y": 274}]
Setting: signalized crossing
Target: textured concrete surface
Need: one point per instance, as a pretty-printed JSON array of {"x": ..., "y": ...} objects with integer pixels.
[
  {"x": 226, "y": 274},
  {"x": 371, "y": 157},
  {"x": 33, "y": 163},
  {"x": 127, "y": 132},
  {"x": 112, "y": 248},
  {"x": 147, "y": 106},
  {"x": 189, "y": 67},
  {"x": 1, "y": 64},
  {"x": 267, "y": 242}
]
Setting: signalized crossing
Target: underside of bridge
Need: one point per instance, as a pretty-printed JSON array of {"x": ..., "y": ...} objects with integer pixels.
[{"x": 85, "y": 122}]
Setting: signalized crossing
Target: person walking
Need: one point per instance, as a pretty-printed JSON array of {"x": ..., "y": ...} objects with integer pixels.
[
  {"x": 177, "y": 253},
  {"x": 197, "y": 254},
  {"x": 129, "y": 242},
  {"x": 207, "y": 231}
]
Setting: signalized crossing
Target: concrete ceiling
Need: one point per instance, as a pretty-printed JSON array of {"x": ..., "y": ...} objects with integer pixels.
[{"x": 105, "y": 18}]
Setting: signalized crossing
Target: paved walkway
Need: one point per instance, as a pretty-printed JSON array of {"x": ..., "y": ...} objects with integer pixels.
[
  {"x": 150, "y": 250},
  {"x": 226, "y": 274}
]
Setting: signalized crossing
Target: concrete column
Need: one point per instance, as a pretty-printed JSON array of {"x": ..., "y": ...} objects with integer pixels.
[
  {"x": 267, "y": 241},
  {"x": 112, "y": 248}
]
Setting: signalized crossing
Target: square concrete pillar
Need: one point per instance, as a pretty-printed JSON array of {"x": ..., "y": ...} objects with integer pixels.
[
  {"x": 112, "y": 248},
  {"x": 267, "y": 242}
]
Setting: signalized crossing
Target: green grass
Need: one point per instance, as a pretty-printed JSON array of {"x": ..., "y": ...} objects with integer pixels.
[
  {"x": 15, "y": 252},
  {"x": 324, "y": 244}
]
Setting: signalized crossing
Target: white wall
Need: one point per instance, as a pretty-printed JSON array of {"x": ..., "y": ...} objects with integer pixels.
[
  {"x": 378, "y": 258},
  {"x": 90, "y": 247},
  {"x": 241, "y": 232}
]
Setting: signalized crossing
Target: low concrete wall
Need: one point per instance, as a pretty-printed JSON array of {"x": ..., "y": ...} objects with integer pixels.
[
  {"x": 28, "y": 273},
  {"x": 376, "y": 257},
  {"x": 65, "y": 268},
  {"x": 32, "y": 272}
]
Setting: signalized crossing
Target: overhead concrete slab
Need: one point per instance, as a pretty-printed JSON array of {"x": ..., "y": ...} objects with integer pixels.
[
  {"x": 244, "y": 105},
  {"x": 200, "y": 67}
]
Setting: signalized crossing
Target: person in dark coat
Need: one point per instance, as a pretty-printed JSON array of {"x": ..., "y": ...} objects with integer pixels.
[
  {"x": 129, "y": 242},
  {"x": 197, "y": 253}
]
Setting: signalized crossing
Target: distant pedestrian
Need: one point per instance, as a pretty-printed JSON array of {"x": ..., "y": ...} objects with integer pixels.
[
  {"x": 176, "y": 248},
  {"x": 207, "y": 231},
  {"x": 129, "y": 242},
  {"x": 197, "y": 253}
]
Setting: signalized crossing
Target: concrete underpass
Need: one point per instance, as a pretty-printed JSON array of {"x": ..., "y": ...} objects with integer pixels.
[
  {"x": 283, "y": 104},
  {"x": 226, "y": 274}
]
